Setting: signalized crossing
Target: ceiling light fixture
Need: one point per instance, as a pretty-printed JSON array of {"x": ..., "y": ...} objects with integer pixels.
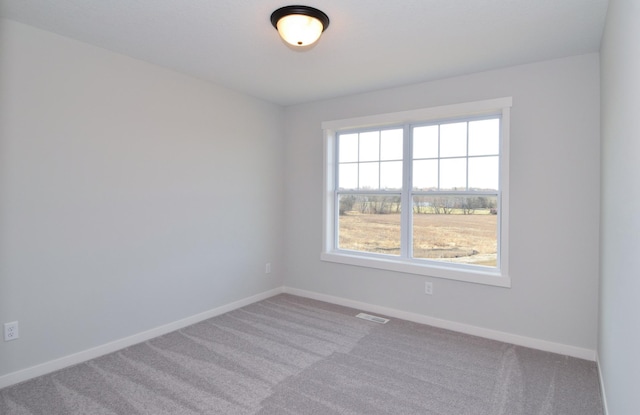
[{"x": 299, "y": 25}]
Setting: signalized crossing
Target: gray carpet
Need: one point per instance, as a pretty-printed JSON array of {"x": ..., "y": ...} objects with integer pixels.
[{"x": 290, "y": 355}]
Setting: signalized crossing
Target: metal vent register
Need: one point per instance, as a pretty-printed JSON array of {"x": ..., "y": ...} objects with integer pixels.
[{"x": 375, "y": 319}]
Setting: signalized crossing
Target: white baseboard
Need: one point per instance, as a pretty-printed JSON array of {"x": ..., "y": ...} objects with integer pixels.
[
  {"x": 83, "y": 356},
  {"x": 605, "y": 408},
  {"x": 544, "y": 345},
  {"x": 80, "y": 357}
]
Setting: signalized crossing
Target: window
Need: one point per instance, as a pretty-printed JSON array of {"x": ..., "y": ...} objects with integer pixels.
[{"x": 424, "y": 192}]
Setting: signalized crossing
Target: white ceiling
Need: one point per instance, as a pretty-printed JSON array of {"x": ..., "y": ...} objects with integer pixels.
[{"x": 369, "y": 45}]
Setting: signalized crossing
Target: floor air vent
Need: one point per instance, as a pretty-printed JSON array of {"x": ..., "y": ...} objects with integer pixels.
[{"x": 375, "y": 319}]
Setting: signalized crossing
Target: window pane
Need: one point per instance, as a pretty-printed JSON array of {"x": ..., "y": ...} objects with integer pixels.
[
  {"x": 370, "y": 146},
  {"x": 453, "y": 140},
  {"x": 453, "y": 174},
  {"x": 483, "y": 173},
  {"x": 348, "y": 176},
  {"x": 369, "y": 223},
  {"x": 484, "y": 137},
  {"x": 455, "y": 229},
  {"x": 448, "y": 190},
  {"x": 369, "y": 176},
  {"x": 425, "y": 142},
  {"x": 391, "y": 175},
  {"x": 391, "y": 145},
  {"x": 425, "y": 175},
  {"x": 348, "y": 150}
]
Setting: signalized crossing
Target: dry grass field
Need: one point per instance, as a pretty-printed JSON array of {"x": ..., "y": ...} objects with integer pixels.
[{"x": 453, "y": 238}]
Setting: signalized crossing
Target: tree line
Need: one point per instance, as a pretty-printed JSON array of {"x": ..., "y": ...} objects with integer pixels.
[{"x": 439, "y": 205}]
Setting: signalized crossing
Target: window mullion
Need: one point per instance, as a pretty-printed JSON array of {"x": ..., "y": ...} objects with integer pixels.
[
  {"x": 336, "y": 200},
  {"x": 467, "y": 160},
  {"x": 439, "y": 158},
  {"x": 406, "y": 227}
]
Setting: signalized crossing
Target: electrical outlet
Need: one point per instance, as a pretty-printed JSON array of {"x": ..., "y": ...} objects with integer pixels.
[
  {"x": 428, "y": 288},
  {"x": 267, "y": 268},
  {"x": 11, "y": 331}
]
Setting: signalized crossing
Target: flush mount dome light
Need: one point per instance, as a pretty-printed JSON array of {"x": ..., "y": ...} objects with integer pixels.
[{"x": 299, "y": 25}]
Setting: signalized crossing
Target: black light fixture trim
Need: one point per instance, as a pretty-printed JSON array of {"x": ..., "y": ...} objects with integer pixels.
[{"x": 304, "y": 10}]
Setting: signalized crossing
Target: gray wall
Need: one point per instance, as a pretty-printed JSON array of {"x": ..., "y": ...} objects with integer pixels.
[
  {"x": 619, "y": 338},
  {"x": 554, "y": 204},
  {"x": 130, "y": 196}
]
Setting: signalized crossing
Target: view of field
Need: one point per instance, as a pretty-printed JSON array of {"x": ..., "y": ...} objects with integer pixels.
[{"x": 453, "y": 237}]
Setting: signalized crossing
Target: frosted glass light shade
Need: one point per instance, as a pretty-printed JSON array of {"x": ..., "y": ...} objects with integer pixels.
[
  {"x": 299, "y": 30},
  {"x": 299, "y": 25}
]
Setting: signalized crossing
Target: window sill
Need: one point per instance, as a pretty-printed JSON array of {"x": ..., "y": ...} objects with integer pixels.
[{"x": 489, "y": 277}]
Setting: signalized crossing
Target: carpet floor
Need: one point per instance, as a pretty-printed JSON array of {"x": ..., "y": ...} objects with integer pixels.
[{"x": 292, "y": 355}]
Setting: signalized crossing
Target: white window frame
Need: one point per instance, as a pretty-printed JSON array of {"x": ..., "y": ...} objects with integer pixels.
[{"x": 496, "y": 276}]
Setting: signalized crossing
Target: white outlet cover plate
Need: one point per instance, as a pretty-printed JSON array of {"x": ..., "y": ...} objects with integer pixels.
[
  {"x": 428, "y": 288},
  {"x": 11, "y": 331}
]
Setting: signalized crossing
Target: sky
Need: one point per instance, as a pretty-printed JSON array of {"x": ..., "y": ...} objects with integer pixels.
[{"x": 445, "y": 157}]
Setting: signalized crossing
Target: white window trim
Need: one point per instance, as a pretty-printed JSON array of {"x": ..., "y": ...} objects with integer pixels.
[{"x": 491, "y": 276}]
